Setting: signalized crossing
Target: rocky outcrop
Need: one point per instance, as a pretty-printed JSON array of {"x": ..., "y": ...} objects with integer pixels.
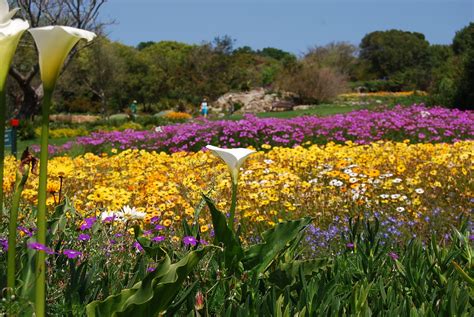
[{"x": 253, "y": 101}]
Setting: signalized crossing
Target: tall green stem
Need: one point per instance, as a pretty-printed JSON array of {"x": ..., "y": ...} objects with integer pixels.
[
  {"x": 21, "y": 180},
  {"x": 41, "y": 216},
  {"x": 3, "y": 113},
  {"x": 233, "y": 205}
]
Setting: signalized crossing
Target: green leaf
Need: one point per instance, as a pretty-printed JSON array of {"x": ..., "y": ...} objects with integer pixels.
[
  {"x": 153, "y": 294},
  {"x": 233, "y": 252},
  {"x": 259, "y": 257}
]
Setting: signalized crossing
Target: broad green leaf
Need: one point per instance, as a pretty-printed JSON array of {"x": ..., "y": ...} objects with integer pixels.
[
  {"x": 153, "y": 294},
  {"x": 259, "y": 257},
  {"x": 233, "y": 251}
]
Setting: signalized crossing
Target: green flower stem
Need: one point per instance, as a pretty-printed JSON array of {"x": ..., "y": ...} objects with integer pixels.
[
  {"x": 233, "y": 205},
  {"x": 3, "y": 113},
  {"x": 20, "y": 184},
  {"x": 41, "y": 216}
]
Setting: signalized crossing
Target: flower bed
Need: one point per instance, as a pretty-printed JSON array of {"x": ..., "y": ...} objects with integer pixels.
[
  {"x": 413, "y": 185},
  {"x": 416, "y": 123}
]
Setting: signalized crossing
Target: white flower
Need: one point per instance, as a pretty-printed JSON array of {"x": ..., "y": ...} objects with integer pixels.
[
  {"x": 353, "y": 180},
  {"x": 10, "y": 34},
  {"x": 347, "y": 171},
  {"x": 268, "y": 161},
  {"x": 397, "y": 180},
  {"x": 400, "y": 209},
  {"x": 395, "y": 196},
  {"x": 353, "y": 174},
  {"x": 132, "y": 213},
  {"x": 419, "y": 191},
  {"x": 234, "y": 158},
  {"x": 424, "y": 114},
  {"x": 115, "y": 215},
  {"x": 54, "y": 44},
  {"x": 336, "y": 182},
  {"x": 158, "y": 129},
  {"x": 384, "y": 196},
  {"x": 5, "y": 14}
]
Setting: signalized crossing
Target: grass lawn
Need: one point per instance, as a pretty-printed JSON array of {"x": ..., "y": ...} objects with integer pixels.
[
  {"x": 317, "y": 110},
  {"x": 22, "y": 144}
]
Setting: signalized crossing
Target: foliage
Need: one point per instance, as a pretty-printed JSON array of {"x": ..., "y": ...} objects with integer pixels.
[
  {"x": 464, "y": 39},
  {"x": 391, "y": 52}
]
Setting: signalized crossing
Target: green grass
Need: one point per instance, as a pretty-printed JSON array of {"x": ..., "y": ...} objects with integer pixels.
[
  {"x": 22, "y": 144},
  {"x": 316, "y": 110}
]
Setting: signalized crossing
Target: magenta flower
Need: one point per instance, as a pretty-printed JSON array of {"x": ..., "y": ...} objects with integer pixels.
[
  {"x": 138, "y": 246},
  {"x": 158, "y": 239},
  {"x": 39, "y": 247},
  {"x": 159, "y": 227},
  {"x": 190, "y": 240},
  {"x": 84, "y": 237},
  {"x": 393, "y": 255},
  {"x": 72, "y": 254},
  {"x": 4, "y": 244},
  {"x": 88, "y": 223}
]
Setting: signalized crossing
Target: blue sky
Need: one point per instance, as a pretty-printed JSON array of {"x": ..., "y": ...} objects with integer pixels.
[{"x": 292, "y": 25}]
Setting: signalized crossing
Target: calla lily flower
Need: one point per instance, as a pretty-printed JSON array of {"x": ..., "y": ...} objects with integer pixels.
[
  {"x": 54, "y": 44},
  {"x": 10, "y": 34},
  {"x": 234, "y": 158},
  {"x": 5, "y": 13}
]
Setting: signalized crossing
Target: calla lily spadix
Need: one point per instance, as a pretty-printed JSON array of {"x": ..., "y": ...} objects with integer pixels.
[
  {"x": 54, "y": 44},
  {"x": 234, "y": 158}
]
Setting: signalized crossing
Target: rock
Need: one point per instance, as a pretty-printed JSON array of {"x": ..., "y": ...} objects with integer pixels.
[
  {"x": 302, "y": 107},
  {"x": 283, "y": 105},
  {"x": 253, "y": 101}
]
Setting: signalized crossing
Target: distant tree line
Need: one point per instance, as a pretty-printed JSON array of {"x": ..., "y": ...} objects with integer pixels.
[{"x": 106, "y": 76}]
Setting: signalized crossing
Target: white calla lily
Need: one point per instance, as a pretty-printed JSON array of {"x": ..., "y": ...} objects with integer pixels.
[
  {"x": 5, "y": 14},
  {"x": 234, "y": 158},
  {"x": 54, "y": 44},
  {"x": 10, "y": 34}
]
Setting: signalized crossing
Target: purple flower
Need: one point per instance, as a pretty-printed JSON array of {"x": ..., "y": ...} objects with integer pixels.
[
  {"x": 88, "y": 223},
  {"x": 159, "y": 227},
  {"x": 158, "y": 239},
  {"x": 39, "y": 247},
  {"x": 190, "y": 240},
  {"x": 393, "y": 255},
  {"x": 138, "y": 246},
  {"x": 350, "y": 245},
  {"x": 471, "y": 237},
  {"x": 147, "y": 232},
  {"x": 151, "y": 269},
  {"x": 29, "y": 233},
  {"x": 72, "y": 254},
  {"x": 203, "y": 242},
  {"x": 84, "y": 237},
  {"x": 4, "y": 244},
  {"x": 154, "y": 219}
]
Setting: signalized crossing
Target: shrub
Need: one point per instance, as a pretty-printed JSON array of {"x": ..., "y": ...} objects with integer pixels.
[{"x": 313, "y": 84}]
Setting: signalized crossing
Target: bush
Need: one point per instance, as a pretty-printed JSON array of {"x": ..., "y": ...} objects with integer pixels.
[{"x": 313, "y": 84}]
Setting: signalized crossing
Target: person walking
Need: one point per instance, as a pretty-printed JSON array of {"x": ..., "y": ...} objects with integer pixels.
[{"x": 204, "y": 107}]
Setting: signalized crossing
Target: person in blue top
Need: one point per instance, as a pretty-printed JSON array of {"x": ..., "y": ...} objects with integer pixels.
[{"x": 204, "y": 107}]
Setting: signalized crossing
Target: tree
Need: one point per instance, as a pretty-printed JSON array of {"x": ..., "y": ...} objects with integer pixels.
[
  {"x": 390, "y": 52},
  {"x": 340, "y": 56},
  {"x": 82, "y": 14},
  {"x": 464, "y": 39}
]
